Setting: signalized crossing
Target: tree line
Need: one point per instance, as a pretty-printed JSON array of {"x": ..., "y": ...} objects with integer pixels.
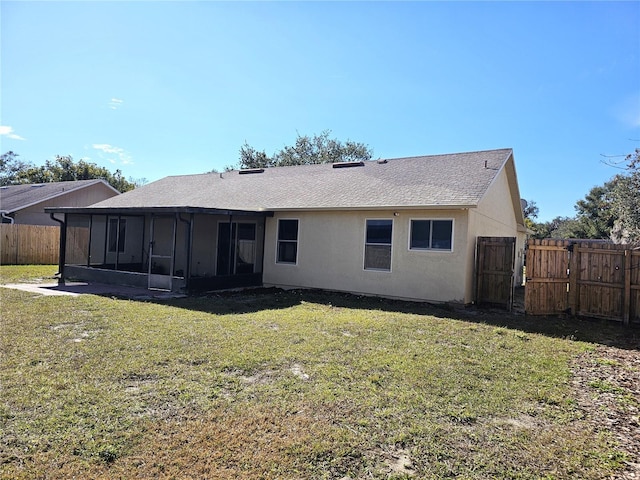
[
  {"x": 610, "y": 211},
  {"x": 15, "y": 171},
  {"x": 306, "y": 150}
]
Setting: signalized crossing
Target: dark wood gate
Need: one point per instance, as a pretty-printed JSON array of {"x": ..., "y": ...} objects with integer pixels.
[
  {"x": 593, "y": 279},
  {"x": 495, "y": 262}
]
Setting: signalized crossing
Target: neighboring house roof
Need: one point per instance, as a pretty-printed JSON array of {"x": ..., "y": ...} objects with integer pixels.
[
  {"x": 436, "y": 181},
  {"x": 18, "y": 197}
]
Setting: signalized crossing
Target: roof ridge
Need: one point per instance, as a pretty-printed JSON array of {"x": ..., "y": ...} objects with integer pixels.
[
  {"x": 452, "y": 154},
  {"x": 372, "y": 160}
]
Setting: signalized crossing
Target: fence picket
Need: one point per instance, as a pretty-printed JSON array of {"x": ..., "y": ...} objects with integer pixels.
[
  {"x": 29, "y": 244},
  {"x": 602, "y": 281}
]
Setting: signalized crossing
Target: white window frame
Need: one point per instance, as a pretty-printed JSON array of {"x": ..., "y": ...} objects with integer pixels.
[
  {"x": 431, "y": 219},
  {"x": 364, "y": 250},
  {"x": 297, "y": 241}
]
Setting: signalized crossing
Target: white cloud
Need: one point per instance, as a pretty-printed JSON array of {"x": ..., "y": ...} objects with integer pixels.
[
  {"x": 8, "y": 132},
  {"x": 115, "y": 103},
  {"x": 121, "y": 156}
]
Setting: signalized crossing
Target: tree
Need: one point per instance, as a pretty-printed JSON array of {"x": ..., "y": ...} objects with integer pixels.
[
  {"x": 595, "y": 212},
  {"x": 251, "y": 158},
  {"x": 626, "y": 202},
  {"x": 10, "y": 167},
  {"x": 306, "y": 150},
  {"x": 529, "y": 209},
  {"x": 62, "y": 169},
  {"x": 559, "y": 227}
]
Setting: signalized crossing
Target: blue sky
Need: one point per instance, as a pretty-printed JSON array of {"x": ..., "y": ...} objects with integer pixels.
[{"x": 169, "y": 88}]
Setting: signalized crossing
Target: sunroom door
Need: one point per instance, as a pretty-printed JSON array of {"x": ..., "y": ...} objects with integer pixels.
[
  {"x": 161, "y": 250},
  {"x": 236, "y": 248}
]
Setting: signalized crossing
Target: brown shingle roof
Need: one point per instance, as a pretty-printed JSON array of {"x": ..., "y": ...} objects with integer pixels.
[
  {"x": 458, "y": 180},
  {"x": 17, "y": 197}
]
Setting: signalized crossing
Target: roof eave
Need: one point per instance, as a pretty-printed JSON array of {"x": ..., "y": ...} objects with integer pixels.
[
  {"x": 64, "y": 192},
  {"x": 153, "y": 210}
]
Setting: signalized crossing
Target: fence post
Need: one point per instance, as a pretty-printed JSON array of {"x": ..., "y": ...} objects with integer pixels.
[
  {"x": 626, "y": 302},
  {"x": 574, "y": 262}
]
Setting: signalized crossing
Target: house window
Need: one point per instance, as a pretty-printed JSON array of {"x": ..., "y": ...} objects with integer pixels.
[
  {"x": 431, "y": 235},
  {"x": 287, "y": 241},
  {"x": 377, "y": 246},
  {"x": 117, "y": 233}
]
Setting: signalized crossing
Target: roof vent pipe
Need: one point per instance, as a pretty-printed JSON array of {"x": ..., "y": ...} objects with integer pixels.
[{"x": 485, "y": 164}]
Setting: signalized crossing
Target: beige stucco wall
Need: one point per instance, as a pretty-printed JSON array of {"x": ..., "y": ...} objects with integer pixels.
[
  {"x": 495, "y": 217},
  {"x": 331, "y": 256},
  {"x": 35, "y": 215}
]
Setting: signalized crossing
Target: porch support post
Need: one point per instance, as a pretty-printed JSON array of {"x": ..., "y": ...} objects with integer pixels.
[
  {"x": 117, "y": 243},
  {"x": 90, "y": 235},
  {"x": 173, "y": 246},
  {"x": 106, "y": 242},
  {"x": 264, "y": 238},
  {"x": 187, "y": 268},
  {"x": 63, "y": 246},
  {"x": 231, "y": 260}
]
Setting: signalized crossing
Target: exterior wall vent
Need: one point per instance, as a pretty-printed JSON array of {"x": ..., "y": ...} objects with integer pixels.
[
  {"x": 248, "y": 171},
  {"x": 348, "y": 164}
]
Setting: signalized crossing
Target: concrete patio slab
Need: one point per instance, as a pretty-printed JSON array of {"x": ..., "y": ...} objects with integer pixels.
[{"x": 80, "y": 288}]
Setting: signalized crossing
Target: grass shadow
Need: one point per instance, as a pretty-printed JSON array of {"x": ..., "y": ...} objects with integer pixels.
[{"x": 604, "y": 332}]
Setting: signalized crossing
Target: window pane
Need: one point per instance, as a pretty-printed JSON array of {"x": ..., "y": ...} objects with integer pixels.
[
  {"x": 115, "y": 236},
  {"x": 442, "y": 234},
  {"x": 245, "y": 256},
  {"x": 288, "y": 230},
  {"x": 379, "y": 231},
  {"x": 113, "y": 225},
  {"x": 287, "y": 252},
  {"x": 420, "y": 233},
  {"x": 123, "y": 230},
  {"x": 246, "y": 231},
  {"x": 377, "y": 257}
]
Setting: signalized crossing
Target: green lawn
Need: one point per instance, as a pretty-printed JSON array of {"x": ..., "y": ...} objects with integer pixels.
[{"x": 272, "y": 384}]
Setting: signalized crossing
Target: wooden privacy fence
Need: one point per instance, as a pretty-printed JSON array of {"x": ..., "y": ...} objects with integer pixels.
[
  {"x": 29, "y": 244},
  {"x": 593, "y": 279}
]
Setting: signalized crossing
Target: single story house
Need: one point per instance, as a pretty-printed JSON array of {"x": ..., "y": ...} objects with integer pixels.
[
  {"x": 403, "y": 228},
  {"x": 24, "y": 204}
]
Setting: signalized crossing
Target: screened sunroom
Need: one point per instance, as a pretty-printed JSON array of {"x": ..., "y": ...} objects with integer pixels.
[{"x": 176, "y": 249}]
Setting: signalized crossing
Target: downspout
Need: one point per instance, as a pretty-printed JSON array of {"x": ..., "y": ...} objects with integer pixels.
[
  {"x": 173, "y": 248},
  {"x": 90, "y": 235},
  {"x": 264, "y": 239},
  {"x": 231, "y": 260},
  {"x": 187, "y": 268},
  {"x": 4, "y": 215},
  {"x": 63, "y": 246}
]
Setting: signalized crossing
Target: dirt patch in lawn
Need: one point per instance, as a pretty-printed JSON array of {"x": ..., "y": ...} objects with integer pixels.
[{"x": 606, "y": 383}]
